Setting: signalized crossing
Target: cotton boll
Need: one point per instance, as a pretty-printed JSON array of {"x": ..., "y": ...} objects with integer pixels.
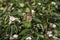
[
  {"x": 28, "y": 38},
  {"x": 17, "y": 20},
  {"x": 39, "y": 3},
  {"x": 1, "y": 8},
  {"x": 53, "y": 3},
  {"x": 11, "y": 38},
  {"x": 15, "y": 36},
  {"x": 33, "y": 11},
  {"x": 54, "y": 26},
  {"x": 49, "y": 33},
  {"x": 21, "y": 4},
  {"x": 12, "y": 18},
  {"x": 13, "y": 8},
  {"x": 11, "y": 4}
]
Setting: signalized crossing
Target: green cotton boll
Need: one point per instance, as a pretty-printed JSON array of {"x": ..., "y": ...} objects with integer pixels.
[
  {"x": 21, "y": 4},
  {"x": 27, "y": 24},
  {"x": 43, "y": 8},
  {"x": 1, "y": 8},
  {"x": 27, "y": 10}
]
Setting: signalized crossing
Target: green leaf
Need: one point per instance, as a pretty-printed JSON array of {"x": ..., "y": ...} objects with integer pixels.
[
  {"x": 36, "y": 19},
  {"x": 25, "y": 32}
]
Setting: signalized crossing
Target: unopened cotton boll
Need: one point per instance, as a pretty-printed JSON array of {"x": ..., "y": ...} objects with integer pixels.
[
  {"x": 28, "y": 38},
  {"x": 1, "y": 8},
  {"x": 23, "y": 14},
  {"x": 17, "y": 20},
  {"x": 11, "y": 4},
  {"x": 15, "y": 36},
  {"x": 53, "y": 3}
]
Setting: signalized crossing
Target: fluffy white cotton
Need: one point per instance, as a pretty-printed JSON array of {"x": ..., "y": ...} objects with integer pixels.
[
  {"x": 53, "y": 3},
  {"x": 28, "y": 38},
  {"x": 39, "y": 3},
  {"x": 15, "y": 36},
  {"x": 49, "y": 33}
]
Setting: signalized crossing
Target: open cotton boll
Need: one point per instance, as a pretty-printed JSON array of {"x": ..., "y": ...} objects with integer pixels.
[
  {"x": 53, "y": 3},
  {"x": 11, "y": 38},
  {"x": 33, "y": 11},
  {"x": 49, "y": 33},
  {"x": 54, "y": 26},
  {"x": 15, "y": 36},
  {"x": 12, "y": 18},
  {"x": 28, "y": 38},
  {"x": 39, "y": 3}
]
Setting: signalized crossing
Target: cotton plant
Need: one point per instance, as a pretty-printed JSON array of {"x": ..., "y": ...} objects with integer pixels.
[{"x": 21, "y": 18}]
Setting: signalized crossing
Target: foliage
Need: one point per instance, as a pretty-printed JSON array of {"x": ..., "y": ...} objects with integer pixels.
[{"x": 30, "y": 18}]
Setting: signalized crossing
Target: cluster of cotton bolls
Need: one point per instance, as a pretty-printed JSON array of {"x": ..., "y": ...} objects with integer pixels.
[
  {"x": 53, "y": 3},
  {"x": 15, "y": 36},
  {"x": 53, "y": 25},
  {"x": 49, "y": 33}
]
